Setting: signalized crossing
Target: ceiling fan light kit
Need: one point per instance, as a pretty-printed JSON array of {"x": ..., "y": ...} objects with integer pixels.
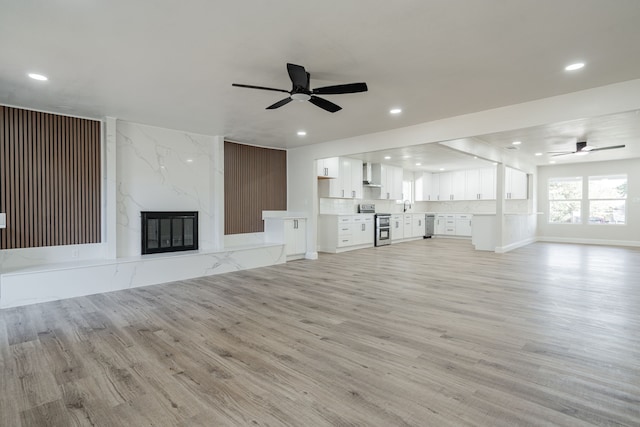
[{"x": 301, "y": 90}]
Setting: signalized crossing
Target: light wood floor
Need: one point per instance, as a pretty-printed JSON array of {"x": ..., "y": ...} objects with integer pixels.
[{"x": 426, "y": 333}]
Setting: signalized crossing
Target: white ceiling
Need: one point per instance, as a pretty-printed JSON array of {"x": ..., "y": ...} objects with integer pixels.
[{"x": 172, "y": 64}]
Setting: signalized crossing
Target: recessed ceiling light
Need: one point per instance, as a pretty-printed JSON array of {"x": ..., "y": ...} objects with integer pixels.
[
  {"x": 538, "y": 154},
  {"x": 406, "y": 157},
  {"x": 301, "y": 133},
  {"x": 418, "y": 164},
  {"x": 189, "y": 160},
  {"x": 475, "y": 157},
  {"x": 395, "y": 111},
  {"x": 387, "y": 157},
  {"x": 36, "y": 76},
  {"x": 574, "y": 67},
  {"x": 441, "y": 169},
  {"x": 552, "y": 161},
  {"x": 495, "y": 163},
  {"x": 517, "y": 142}
]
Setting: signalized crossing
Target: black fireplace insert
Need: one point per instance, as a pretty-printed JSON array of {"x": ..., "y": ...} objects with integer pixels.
[{"x": 169, "y": 231}]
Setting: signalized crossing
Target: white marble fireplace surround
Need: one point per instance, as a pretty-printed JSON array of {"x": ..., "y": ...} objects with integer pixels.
[{"x": 145, "y": 168}]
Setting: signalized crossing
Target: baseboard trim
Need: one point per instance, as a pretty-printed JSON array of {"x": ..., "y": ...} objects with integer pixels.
[
  {"x": 515, "y": 245},
  {"x": 604, "y": 242}
]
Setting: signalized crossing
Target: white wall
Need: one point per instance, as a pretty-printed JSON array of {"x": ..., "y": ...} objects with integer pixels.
[{"x": 628, "y": 234}]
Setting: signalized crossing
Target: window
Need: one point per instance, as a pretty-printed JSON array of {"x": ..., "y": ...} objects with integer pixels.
[
  {"x": 607, "y": 199},
  {"x": 407, "y": 191},
  {"x": 565, "y": 200}
]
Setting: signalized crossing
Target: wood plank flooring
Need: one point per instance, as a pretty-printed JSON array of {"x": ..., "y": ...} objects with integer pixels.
[{"x": 425, "y": 333}]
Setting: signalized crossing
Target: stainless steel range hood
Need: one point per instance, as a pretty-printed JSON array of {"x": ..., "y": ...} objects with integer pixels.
[{"x": 367, "y": 176}]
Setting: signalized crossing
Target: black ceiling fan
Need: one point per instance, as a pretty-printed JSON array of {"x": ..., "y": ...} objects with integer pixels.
[
  {"x": 582, "y": 148},
  {"x": 302, "y": 92}
]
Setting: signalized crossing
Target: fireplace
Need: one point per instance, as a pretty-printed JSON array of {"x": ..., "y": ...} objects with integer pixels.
[{"x": 169, "y": 231}]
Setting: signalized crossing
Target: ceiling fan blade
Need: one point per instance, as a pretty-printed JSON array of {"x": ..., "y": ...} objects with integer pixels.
[
  {"x": 338, "y": 89},
  {"x": 563, "y": 154},
  {"x": 259, "y": 87},
  {"x": 298, "y": 76},
  {"x": 324, "y": 104},
  {"x": 279, "y": 104},
  {"x": 608, "y": 148},
  {"x": 560, "y": 152}
]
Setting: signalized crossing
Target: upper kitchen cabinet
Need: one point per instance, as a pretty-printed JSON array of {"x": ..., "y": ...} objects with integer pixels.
[
  {"x": 515, "y": 184},
  {"x": 424, "y": 187},
  {"x": 390, "y": 180},
  {"x": 347, "y": 183},
  {"x": 481, "y": 184},
  {"x": 328, "y": 168},
  {"x": 452, "y": 185}
]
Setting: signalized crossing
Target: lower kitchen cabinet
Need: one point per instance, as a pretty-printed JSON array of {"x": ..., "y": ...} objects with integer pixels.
[
  {"x": 338, "y": 233},
  {"x": 408, "y": 226},
  {"x": 450, "y": 224},
  {"x": 418, "y": 225},
  {"x": 397, "y": 228},
  {"x": 287, "y": 230},
  {"x": 463, "y": 224},
  {"x": 453, "y": 225},
  {"x": 440, "y": 224},
  {"x": 295, "y": 238}
]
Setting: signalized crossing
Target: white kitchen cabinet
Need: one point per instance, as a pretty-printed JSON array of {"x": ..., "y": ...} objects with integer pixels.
[
  {"x": 463, "y": 224},
  {"x": 362, "y": 229},
  {"x": 397, "y": 228},
  {"x": 290, "y": 231},
  {"x": 440, "y": 224},
  {"x": 450, "y": 224},
  {"x": 488, "y": 183},
  {"x": 348, "y": 182},
  {"x": 480, "y": 184},
  {"x": 423, "y": 187},
  {"x": 295, "y": 236},
  {"x": 390, "y": 180},
  {"x": 435, "y": 187},
  {"x": 339, "y": 233},
  {"x": 458, "y": 185},
  {"x": 328, "y": 168},
  {"x": 417, "y": 225},
  {"x": 444, "y": 186},
  {"x": 408, "y": 225},
  {"x": 452, "y": 185},
  {"x": 515, "y": 184},
  {"x": 472, "y": 189}
]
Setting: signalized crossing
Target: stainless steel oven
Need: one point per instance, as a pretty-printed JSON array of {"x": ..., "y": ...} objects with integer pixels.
[{"x": 383, "y": 229}]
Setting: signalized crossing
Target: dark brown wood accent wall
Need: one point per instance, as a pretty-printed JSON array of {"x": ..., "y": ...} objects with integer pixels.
[
  {"x": 255, "y": 179},
  {"x": 49, "y": 179}
]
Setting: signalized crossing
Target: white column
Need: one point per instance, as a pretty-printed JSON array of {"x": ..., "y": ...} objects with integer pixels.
[
  {"x": 216, "y": 179},
  {"x": 500, "y": 204},
  {"x": 109, "y": 209}
]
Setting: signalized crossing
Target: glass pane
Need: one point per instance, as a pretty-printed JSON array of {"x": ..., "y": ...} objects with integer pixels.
[
  {"x": 607, "y": 212},
  {"x": 564, "y": 212},
  {"x": 177, "y": 231},
  {"x": 152, "y": 233},
  {"x": 165, "y": 233},
  {"x": 565, "y": 188},
  {"x": 608, "y": 187},
  {"x": 188, "y": 231}
]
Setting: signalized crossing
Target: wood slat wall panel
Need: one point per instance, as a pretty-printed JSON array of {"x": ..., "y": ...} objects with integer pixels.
[
  {"x": 49, "y": 179},
  {"x": 255, "y": 179}
]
